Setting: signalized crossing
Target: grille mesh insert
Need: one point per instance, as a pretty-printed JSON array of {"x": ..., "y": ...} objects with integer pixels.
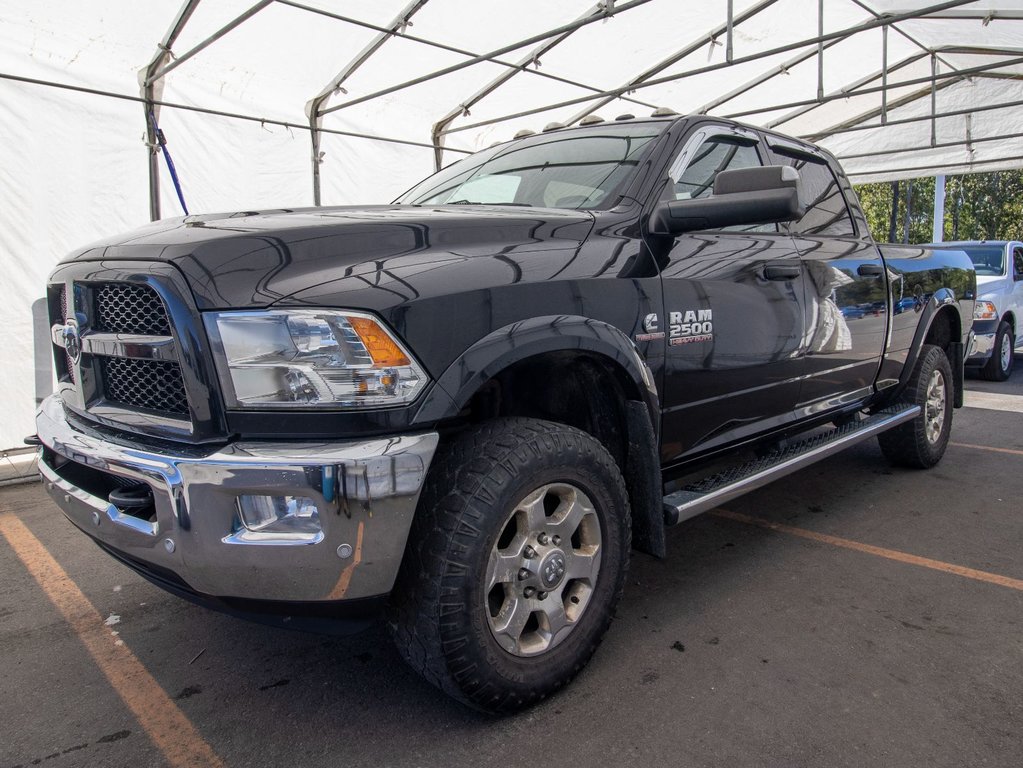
[
  {"x": 129, "y": 308},
  {"x": 69, "y": 365},
  {"x": 153, "y": 384}
]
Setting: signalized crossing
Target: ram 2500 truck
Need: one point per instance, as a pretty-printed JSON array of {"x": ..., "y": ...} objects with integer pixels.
[
  {"x": 466, "y": 408},
  {"x": 998, "y": 312}
]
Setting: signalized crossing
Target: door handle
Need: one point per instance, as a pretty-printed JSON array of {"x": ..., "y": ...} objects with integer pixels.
[
  {"x": 869, "y": 270},
  {"x": 781, "y": 271}
]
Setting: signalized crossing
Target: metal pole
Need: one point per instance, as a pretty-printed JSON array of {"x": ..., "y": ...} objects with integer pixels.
[
  {"x": 178, "y": 61},
  {"x": 616, "y": 92},
  {"x": 939, "y": 209},
  {"x": 150, "y": 103},
  {"x": 728, "y": 32},
  {"x": 893, "y": 218},
  {"x": 643, "y": 77},
  {"x": 907, "y": 120},
  {"x": 532, "y": 57},
  {"x": 884, "y": 75},
  {"x": 857, "y": 89},
  {"x": 934, "y": 100},
  {"x": 909, "y": 211},
  {"x": 314, "y": 107},
  {"x": 820, "y": 50},
  {"x": 487, "y": 56}
]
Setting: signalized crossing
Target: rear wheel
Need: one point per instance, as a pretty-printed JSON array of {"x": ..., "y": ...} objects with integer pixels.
[
  {"x": 999, "y": 366},
  {"x": 922, "y": 442},
  {"x": 515, "y": 563}
]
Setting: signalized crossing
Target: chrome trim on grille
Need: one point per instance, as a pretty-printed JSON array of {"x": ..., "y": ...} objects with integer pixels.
[
  {"x": 122, "y": 345},
  {"x": 138, "y": 295}
]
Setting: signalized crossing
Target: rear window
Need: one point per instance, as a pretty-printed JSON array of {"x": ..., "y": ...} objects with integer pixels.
[{"x": 987, "y": 259}]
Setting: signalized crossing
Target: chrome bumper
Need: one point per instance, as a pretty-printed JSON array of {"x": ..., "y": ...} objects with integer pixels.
[
  {"x": 366, "y": 492},
  {"x": 982, "y": 348}
]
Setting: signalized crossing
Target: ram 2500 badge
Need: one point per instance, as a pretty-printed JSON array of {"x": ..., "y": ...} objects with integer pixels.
[{"x": 466, "y": 408}]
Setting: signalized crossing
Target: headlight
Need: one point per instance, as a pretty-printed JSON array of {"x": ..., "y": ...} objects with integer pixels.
[
  {"x": 308, "y": 358},
  {"x": 984, "y": 310}
]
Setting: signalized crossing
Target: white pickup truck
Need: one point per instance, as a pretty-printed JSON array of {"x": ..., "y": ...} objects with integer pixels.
[{"x": 999, "y": 307}]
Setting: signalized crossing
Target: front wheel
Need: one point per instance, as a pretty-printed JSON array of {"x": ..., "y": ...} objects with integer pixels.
[
  {"x": 999, "y": 366},
  {"x": 922, "y": 442},
  {"x": 515, "y": 563}
]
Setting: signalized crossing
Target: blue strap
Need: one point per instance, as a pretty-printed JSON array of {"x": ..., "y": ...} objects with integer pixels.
[{"x": 162, "y": 142}]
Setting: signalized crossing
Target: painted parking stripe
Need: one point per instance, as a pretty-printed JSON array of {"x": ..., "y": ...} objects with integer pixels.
[
  {"x": 993, "y": 401},
  {"x": 889, "y": 554},
  {"x": 987, "y": 448},
  {"x": 167, "y": 726}
]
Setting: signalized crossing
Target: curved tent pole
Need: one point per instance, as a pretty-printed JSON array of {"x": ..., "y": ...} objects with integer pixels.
[
  {"x": 710, "y": 37},
  {"x": 314, "y": 107},
  {"x": 610, "y": 10},
  {"x": 151, "y": 80},
  {"x": 920, "y": 13},
  {"x": 149, "y": 95},
  {"x": 599, "y": 11}
]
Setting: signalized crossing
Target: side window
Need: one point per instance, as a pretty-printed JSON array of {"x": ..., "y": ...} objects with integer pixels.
[
  {"x": 714, "y": 155},
  {"x": 826, "y": 210},
  {"x": 1017, "y": 260}
]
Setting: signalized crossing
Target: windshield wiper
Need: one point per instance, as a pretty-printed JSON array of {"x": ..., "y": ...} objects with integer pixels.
[{"x": 474, "y": 202}]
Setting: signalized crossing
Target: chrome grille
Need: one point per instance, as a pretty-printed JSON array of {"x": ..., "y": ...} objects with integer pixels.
[
  {"x": 68, "y": 363},
  {"x": 129, "y": 308},
  {"x": 152, "y": 384}
]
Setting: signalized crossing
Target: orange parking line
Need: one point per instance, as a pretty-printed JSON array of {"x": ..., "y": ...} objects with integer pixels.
[
  {"x": 890, "y": 554},
  {"x": 345, "y": 578},
  {"x": 167, "y": 726},
  {"x": 987, "y": 448}
]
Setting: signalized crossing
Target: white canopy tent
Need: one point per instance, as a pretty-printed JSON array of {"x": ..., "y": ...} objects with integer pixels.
[{"x": 284, "y": 103}]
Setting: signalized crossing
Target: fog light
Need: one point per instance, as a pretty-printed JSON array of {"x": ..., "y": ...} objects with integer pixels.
[{"x": 281, "y": 519}]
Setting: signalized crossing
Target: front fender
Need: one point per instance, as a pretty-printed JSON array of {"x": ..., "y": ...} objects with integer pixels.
[{"x": 528, "y": 338}]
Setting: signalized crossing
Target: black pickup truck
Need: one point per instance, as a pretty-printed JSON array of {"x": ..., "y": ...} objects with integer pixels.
[{"x": 463, "y": 410}]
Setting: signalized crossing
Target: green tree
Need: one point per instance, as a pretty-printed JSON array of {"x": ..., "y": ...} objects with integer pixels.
[{"x": 978, "y": 206}]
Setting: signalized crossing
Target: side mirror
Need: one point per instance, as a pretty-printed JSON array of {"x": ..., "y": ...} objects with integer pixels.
[{"x": 749, "y": 196}]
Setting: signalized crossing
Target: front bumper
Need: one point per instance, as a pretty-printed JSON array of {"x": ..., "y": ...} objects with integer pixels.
[
  {"x": 366, "y": 492},
  {"x": 985, "y": 332}
]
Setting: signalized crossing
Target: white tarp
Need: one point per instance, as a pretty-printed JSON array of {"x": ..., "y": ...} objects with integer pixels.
[{"x": 74, "y": 165}]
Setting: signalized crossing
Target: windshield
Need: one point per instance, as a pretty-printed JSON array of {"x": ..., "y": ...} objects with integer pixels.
[
  {"x": 580, "y": 168},
  {"x": 988, "y": 259}
]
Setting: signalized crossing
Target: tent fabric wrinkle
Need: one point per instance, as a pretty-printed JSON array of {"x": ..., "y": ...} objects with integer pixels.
[{"x": 287, "y": 103}]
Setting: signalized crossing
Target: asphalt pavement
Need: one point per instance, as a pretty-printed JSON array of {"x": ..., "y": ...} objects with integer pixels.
[{"x": 848, "y": 615}]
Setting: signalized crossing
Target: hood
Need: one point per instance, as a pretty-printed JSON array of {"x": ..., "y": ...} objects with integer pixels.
[
  {"x": 253, "y": 259},
  {"x": 989, "y": 283}
]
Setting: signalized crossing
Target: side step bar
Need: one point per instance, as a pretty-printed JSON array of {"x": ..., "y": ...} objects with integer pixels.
[{"x": 724, "y": 486}]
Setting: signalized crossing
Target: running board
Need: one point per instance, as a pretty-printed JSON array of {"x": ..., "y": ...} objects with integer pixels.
[{"x": 717, "y": 489}]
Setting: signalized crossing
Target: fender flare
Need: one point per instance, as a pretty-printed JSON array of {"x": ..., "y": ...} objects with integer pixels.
[
  {"x": 517, "y": 341},
  {"x": 943, "y": 297}
]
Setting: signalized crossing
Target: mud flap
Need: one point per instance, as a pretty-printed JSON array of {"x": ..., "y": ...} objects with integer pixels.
[
  {"x": 643, "y": 481},
  {"x": 957, "y": 353}
]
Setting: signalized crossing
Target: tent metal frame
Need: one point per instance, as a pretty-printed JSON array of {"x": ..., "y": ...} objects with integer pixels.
[{"x": 942, "y": 73}]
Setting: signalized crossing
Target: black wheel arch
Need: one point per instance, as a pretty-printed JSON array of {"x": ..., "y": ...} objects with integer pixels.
[{"x": 572, "y": 370}]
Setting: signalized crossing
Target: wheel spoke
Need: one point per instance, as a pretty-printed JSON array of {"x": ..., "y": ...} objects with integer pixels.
[
  {"x": 583, "y": 563},
  {"x": 532, "y": 512},
  {"x": 502, "y": 568},
  {"x": 571, "y": 512},
  {"x": 554, "y": 615},
  {"x": 508, "y": 625}
]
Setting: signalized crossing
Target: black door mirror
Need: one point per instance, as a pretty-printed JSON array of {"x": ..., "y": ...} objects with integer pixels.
[{"x": 749, "y": 196}]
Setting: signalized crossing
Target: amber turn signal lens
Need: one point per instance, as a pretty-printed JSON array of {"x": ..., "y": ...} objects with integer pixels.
[{"x": 380, "y": 346}]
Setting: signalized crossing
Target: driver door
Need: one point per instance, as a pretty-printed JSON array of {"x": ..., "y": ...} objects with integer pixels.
[{"x": 733, "y": 311}]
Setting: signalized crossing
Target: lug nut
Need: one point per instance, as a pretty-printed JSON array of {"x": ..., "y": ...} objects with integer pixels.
[
  {"x": 523, "y": 574},
  {"x": 542, "y": 538},
  {"x": 542, "y": 595},
  {"x": 556, "y": 540},
  {"x": 529, "y": 591},
  {"x": 529, "y": 553}
]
